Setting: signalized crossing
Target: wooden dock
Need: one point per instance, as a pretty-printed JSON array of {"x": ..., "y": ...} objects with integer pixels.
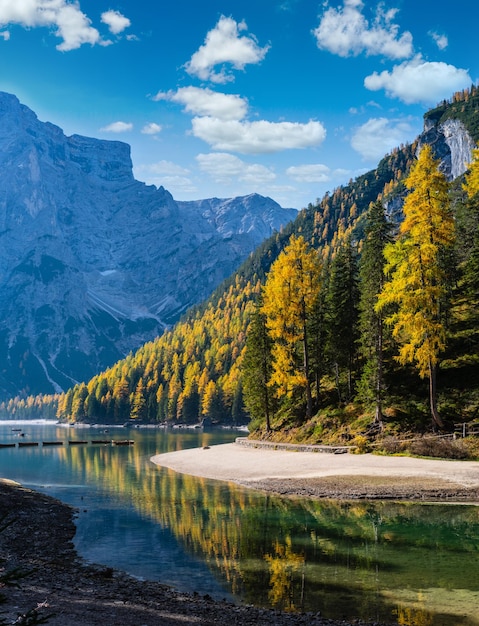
[{"x": 71, "y": 442}]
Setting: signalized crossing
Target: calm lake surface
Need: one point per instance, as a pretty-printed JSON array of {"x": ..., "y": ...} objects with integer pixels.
[{"x": 417, "y": 564}]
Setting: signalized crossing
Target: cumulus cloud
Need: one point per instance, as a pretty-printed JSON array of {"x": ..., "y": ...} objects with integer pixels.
[
  {"x": 115, "y": 21},
  {"x": 205, "y": 102},
  {"x": 419, "y": 81},
  {"x": 167, "y": 174},
  {"x": 164, "y": 168},
  {"x": 117, "y": 127},
  {"x": 66, "y": 18},
  {"x": 225, "y": 47},
  {"x": 441, "y": 40},
  {"x": 225, "y": 168},
  {"x": 257, "y": 137},
  {"x": 346, "y": 32},
  {"x": 378, "y": 136},
  {"x": 5, "y": 35},
  {"x": 151, "y": 129},
  {"x": 310, "y": 173}
]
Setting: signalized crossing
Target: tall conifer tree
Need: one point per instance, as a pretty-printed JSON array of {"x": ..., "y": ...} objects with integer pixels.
[
  {"x": 257, "y": 369},
  {"x": 371, "y": 273},
  {"x": 417, "y": 282},
  {"x": 470, "y": 227},
  {"x": 289, "y": 296},
  {"x": 342, "y": 322}
]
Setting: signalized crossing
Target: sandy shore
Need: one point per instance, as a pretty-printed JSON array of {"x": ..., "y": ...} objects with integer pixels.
[{"x": 329, "y": 475}]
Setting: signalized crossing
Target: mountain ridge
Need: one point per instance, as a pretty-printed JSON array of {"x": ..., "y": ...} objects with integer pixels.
[{"x": 93, "y": 262}]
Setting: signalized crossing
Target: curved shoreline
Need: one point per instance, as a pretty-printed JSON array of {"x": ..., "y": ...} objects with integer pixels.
[
  {"x": 37, "y": 540},
  {"x": 323, "y": 475}
]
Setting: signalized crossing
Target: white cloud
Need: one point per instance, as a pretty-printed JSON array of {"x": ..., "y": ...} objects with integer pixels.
[
  {"x": 115, "y": 21},
  {"x": 419, "y": 81},
  {"x": 226, "y": 168},
  {"x": 205, "y": 102},
  {"x": 441, "y": 40},
  {"x": 5, "y": 35},
  {"x": 117, "y": 127},
  {"x": 170, "y": 175},
  {"x": 151, "y": 129},
  {"x": 224, "y": 45},
  {"x": 378, "y": 136},
  {"x": 346, "y": 32},
  {"x": 163, "y": 168},
  {"x": 257, "y": 137},
  {"x": 310, "y": 173},
  {"x": 65, "y": 17}
]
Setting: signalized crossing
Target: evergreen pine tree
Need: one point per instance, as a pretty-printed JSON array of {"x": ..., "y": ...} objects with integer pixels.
[
  {"x": 342, "y": 315},
  {"x": 257, "y": 368},
  {"x": 371, "y": 323}
]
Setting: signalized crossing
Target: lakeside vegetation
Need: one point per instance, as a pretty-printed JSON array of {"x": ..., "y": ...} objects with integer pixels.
[{"x": 319, "y": 357}]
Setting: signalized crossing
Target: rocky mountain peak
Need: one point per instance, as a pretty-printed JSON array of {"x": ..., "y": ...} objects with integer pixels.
[{"x": 93, "y": 263}]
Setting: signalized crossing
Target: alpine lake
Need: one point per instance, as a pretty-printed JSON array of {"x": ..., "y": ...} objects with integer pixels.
[{"x": 414, "y": 564}]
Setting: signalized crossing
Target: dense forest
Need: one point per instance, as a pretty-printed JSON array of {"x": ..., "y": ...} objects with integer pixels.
[{"x": 358, "y": 318}]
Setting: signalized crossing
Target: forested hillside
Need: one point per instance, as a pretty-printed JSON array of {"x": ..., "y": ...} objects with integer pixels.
[
  {"x": 346, "y": 355},
  {"x": 194, "y": 370}
]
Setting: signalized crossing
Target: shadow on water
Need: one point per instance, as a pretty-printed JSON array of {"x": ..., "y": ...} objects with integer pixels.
[{"x": 411, "y": 563}]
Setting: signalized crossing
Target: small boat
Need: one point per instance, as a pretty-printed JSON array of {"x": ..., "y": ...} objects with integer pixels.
[
  {"x": 123, "y": 442},
  {"x": 7, "y": 445},
  {"x": 101, "y": 441},
  {"x": 25, "y": 444},
  {"x": 52, "y": 443},
  {"x": 77, "y": 442}
]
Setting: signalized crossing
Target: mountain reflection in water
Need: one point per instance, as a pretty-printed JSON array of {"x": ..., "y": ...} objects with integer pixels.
[{"x": 411, "y": 563}]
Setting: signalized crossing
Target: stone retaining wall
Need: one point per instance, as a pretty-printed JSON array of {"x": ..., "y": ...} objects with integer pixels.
[{"x": 293, "y": 447}]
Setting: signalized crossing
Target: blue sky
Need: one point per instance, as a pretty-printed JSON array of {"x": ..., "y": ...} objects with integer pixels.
[{"x": 286, "y": 98}]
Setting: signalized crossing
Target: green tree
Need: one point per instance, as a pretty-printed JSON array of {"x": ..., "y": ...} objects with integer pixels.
[
  {"x": 468, "y": 227},
  {"x": 138, "y": 404},
  {"x": 371, "y": 321},
  {"x": 417, "y": 279},
  {"x": 342, "y": 314},
  {"x": 257, "y": 368},
  {"x": 289, "y": 295}
]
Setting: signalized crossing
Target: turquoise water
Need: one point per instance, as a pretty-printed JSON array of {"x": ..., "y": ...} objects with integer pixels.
[{"x": 413, "y": 563}]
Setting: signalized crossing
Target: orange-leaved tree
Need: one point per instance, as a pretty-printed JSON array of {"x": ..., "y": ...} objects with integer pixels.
[
  {"x": 417, "y": 278},
  {"x": 289, "y": 297}
]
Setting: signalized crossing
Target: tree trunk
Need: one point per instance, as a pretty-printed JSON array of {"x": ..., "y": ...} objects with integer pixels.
[
  {"x": 436, "y": 418},
  {"x": 378, "y": 416},
  {"x": 309, "y": 398}
]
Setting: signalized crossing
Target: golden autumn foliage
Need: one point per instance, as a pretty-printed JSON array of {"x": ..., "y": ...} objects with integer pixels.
[
  {"x": 289, "y": 298},
  {"x": 417, "y": 277},
  {"x": 189, "y": 373},
  {"x": 195, "y": 370}
]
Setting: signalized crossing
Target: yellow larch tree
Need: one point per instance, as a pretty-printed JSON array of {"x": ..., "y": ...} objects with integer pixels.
[
  {"x": 417, "y": 285},
  {"x": 289, "y": 297}
]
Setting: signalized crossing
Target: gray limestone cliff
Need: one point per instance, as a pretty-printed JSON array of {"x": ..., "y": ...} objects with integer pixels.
[
  {"x": 451, "y": 143},
  {"x": 93, "y": 263}
]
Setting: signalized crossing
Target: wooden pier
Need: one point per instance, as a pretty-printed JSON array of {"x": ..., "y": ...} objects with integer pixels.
[{"x": 71, "y": 442}]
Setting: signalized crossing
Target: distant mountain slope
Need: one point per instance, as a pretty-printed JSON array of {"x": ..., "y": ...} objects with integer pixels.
[
  {"x": 193, "y": 370},
  {"x": 94, "y": 263}
]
